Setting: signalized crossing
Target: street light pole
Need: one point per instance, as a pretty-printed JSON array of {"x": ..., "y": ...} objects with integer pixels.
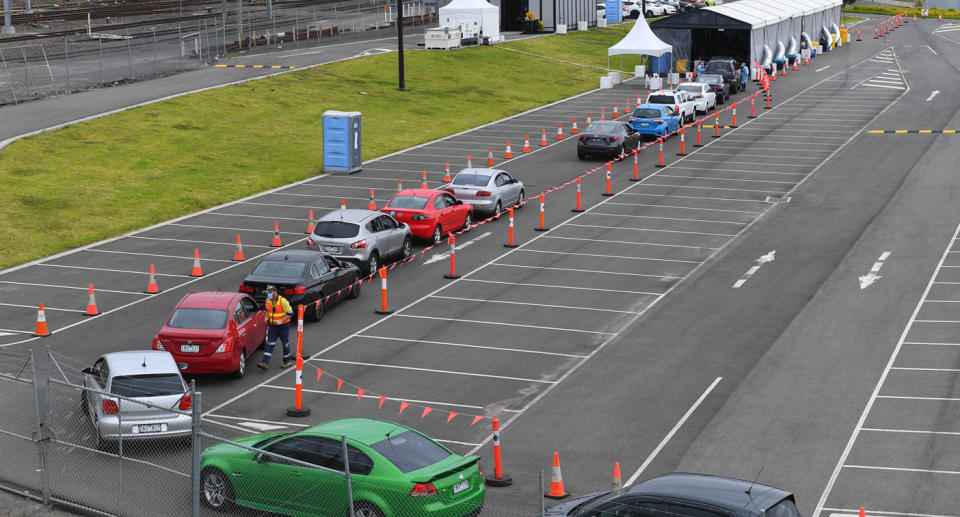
[{"x": 403, "y": 85}]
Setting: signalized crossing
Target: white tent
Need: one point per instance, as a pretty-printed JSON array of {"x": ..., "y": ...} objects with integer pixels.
[
  {"x": 477, "y": 18},
  {"x": 640, "y": 40}
]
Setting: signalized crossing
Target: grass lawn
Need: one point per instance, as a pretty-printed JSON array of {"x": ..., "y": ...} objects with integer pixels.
[
  {"x": 891, "y": 10},
  {"x": 852, "y": 19},
  {"x": 109, "y": 176}
]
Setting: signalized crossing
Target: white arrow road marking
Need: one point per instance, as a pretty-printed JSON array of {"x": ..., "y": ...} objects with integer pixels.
[
  {"x": 261, "y": 427},
  {"x": 822, "y": 68},
  {"x": 931, "y": 50},
  {"x": 769, "y": 257},
  {"x": 437, "y": 257},
  {"x": 374, "y": 51},
  {"x": 933, "y": 94},
  {"x": 872, "y": 276}
]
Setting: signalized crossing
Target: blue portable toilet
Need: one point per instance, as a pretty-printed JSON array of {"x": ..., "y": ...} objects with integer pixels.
[
  {"x": 660, "y": 64},
  {"x": 341, "y": 142}
]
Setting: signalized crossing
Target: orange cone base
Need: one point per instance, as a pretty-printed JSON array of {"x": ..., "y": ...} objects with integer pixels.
[
  {"x": 511, "y": 245},
  {"x": 381, "y": 311},
  {"x": 302, "y": 412},
  {"x": 42, "y": 335},
  {"x": 539, "y": 229},
  {"x": 551, "y": 495},
  {"x": 152, "y": 289},
  {"x": 504, "y": 480},
  {"x": 93, "y": 312},
  {"x": 451, "y": 277},
  {"x": 577, "y": 210},
  {"x": 607, "y": 194}
]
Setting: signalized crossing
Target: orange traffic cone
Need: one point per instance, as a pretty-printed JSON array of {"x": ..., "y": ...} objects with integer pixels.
[
  {"x": 574, "y": 130},
  {"x": 423, "y": 181},
  {"x": 91, "y": 304},
  {"x": 617, "y": 480},
  {"x": 41, "y": 329},
  {"x": 152, "y": 287},
  {"x": 276, "y": 234},
  {"x": 238, "y": 253},
  {"x": 490, "y": 157},
  {"x": 509, "y": 154},
  {"x": 589, "y": 119},
  {"x": 615, "y": 114},
  {"x": 196, "y": 263},
  {"x": 373, "y": 205},
  {"x": 526, "y": 143},
  {"x": 343, "y": 203},
  {"x": 795, "y": 65},
  {"x": 559, "y": 131},
  {"x": 446, "y": 172},
  {"x": 399, "y": 185},
  {"x": 543, "y": 139},
  {"x": 556, "y": 480},
  {"x": 311, "y": 223},
  {"x": 469, "y": 161}
]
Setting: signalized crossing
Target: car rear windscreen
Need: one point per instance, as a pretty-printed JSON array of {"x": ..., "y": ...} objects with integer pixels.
[
  {"x": 661, "y": 99},
  {"x": 647, "y": 113},
  {"x": 718, "y": 67},
  {"x": 414, "y": 202},
  {"x": 152, "y": 385},
  {"x": 336, "y": 229},
  {"x": 691, "y": 88},
  {"x": 198, "y": 319},
  {"x": 410, "y": 451},
  {"x": 472, "y": 180},
  {"x": 711, "y": 79},
  {"x": 602, "y": 127},
  {"x": 279, "y": 268}
]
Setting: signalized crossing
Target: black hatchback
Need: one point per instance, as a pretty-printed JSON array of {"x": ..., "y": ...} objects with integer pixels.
[
  {"x": 304, "y": 277},
  {"x": 608, "y": 137},
  {"x": 684, "y": 495}
]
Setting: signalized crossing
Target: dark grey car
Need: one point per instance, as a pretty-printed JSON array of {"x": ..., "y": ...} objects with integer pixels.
[
  {"x": 684, "y": 495},
  {"x": 366, "y": 238},
  {"x": 609, "y": 137}
]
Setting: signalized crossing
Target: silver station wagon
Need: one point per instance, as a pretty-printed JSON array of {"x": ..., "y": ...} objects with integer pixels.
[{"x": 136, "y": 395}]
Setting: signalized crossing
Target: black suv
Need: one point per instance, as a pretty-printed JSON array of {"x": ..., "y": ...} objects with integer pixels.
[
  {"x": 727, "y": 67},
  {"x": 684, "y": 495}
]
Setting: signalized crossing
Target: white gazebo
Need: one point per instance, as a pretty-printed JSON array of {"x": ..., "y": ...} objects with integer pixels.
[{"x": 640, "y": 40}]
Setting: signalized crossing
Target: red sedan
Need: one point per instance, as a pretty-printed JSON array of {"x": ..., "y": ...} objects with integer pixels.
[
  {"x": 430, "y": 214},
  {"x": 213, "y": 332}
]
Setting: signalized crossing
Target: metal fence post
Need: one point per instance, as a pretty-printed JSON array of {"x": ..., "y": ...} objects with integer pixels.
[
  {"x": 346, "y": 470},
  {"x": 196, "y": 428},
  {"x": 45, "y": 436}
]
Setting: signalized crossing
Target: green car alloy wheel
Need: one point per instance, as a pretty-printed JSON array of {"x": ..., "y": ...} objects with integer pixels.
[{"x": 395, "y": 471}]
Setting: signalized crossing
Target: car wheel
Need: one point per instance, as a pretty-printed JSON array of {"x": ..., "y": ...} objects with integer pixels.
[
  {"x": 649, "y": 14},
  {"x": 520, "y": 199},
  {"x": 437, "y": 235},
  {"x": 365, "y": 509},
  {"x": 216, "y": 490},
  {"x": 581, "y": 155},
  {"x": 241, "y": 366},
  {"x": 497, "y": 209},
  {"x": 314, "y": 311},
  {"x": 102, "y": 443},
  {"x": 620, "y": 150},
  {"x": 373, "y": 263},
  {"x": 84, "y": 407},
  {"x": 467, "y": 220},
  {"x": 355, "y": 291},
  {"x": 407, "y": 248}
]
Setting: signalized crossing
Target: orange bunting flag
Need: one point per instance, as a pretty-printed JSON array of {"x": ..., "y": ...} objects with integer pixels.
[
  {"x": 403, "y": 405},
  {"x": 476, "y": 419},
  {"x": 339, "y": 384},
  {"x": 452, "y": 414},
  {"x": 360, "y": 393},
  {"x": 319, "y": 373},
  {"x": 382, "y": 400},
  {"x": 426, "y": 410}
]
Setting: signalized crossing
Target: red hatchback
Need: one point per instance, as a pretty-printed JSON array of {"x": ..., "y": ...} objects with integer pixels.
[
  {"x": 213, "y": 332},
  {"x": 430, "y": 214}
]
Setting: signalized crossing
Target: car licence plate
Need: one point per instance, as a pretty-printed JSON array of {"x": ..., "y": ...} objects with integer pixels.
[
  {"x": 149, "y": 428},
  {"x": 461, "y": 486},
  {"x": 190, "y": 348},
  {"x": 645, "y": 124},
  {"x": 332, "y": 249}
]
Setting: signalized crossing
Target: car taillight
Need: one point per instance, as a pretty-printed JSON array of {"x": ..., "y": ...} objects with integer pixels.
[
  {"x": 423, "y": 490},
  {"x": 633, "y": 119},
  {"x": 420, "y": 217},
  {"x": 300, "y": 289},
  {"x": 480, "y": 468},
  {"x": 186, "y": 402},
  {"x": 658, "y": 121},
  {"x": 310, "y": 241},
  {"x": 699, "y": 96},
  {"x": 484, "y": 193},
  {"x": 110, "y": 407},
  {"x": 362, "y": 243},
  {"x": 224, "y": 347},
  {"x": 244, "y": 288},
  {"x": 612, "y": 138},
  {"x": 157, "y": 345}
]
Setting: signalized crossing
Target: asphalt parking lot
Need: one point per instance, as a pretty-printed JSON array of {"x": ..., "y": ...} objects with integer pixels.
[{"x": 629, "y": 309}]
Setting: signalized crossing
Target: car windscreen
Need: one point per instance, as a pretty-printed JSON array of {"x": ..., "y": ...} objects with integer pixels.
[
  {"x": 279, "y": 268},
  {"x": 409, "y": 451},
  {"x": 415, "y": 202},
  {"x": 718, "y": 67},
  {"x": 472, "y": 180},
  {"x": 711, "y": 78},
  {"x": 148, "y": 385},
  {"x": 647, "y": 113},
  {"x": 602, "y": 127},
  {"x": 198, "y": 319},
  {"x": 336, "y": 229},
  {"x": 692, "y": 88},
  {"x": 661, "y": 99}
]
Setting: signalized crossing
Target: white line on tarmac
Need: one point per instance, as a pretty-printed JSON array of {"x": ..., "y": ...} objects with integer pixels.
[
  {"x": 690, "y": 207},
  {"x": 71, "y": 287},
  {"x": 936, "y": 321},
  {"x": 271, "y": 217},
  {"x": 533, "y": 304},
  {"x": 117, "y": 252},
  {"x": 738, "y": 153},
  {"x": 672, "y": 432},
  {"x": 694, "y": 197},
  {"x": 911, "y": 431},
  {"x": 428, "y": 370},
  {"x": 17, "y": 331},
  {"x": 44, "y": 307},
  {"x": 629, "y": 242},
  {"x": 853, "y": 512},
  {"x": 821, "y": 69},
  {"x": 111, "y": 270},
  {"x": 525, "y": 284},
  {"x": 463, "y": 345},
  {"x": 670, "y": 218},
  {"x": 931, "y": 49},
  {"x": 912, "y": 369},
  {"x": 717, "y": 188},
  {"x": 277, "y": 422},
  {"x": 245, "y": 245},
  {"x": 377, "y": 397},
  {"x": 931, "y": 343},
  {"x": 914, "y": 397},
  {"x": 591, "y": 271},
  {"x": 726, "y": 179},
  {"x": 648, "y": 229},
  {"x": 902, "y": 469},
  {"x": 706, "y": 168},
  {"x": 501, "y": 323},
  {"x": 233, "y": 230}
]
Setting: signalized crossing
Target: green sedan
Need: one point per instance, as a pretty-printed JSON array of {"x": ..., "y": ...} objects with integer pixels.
[{"x": 394, "y": 471}]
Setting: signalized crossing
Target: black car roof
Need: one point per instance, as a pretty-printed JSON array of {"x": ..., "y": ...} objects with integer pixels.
[
  {"x": 295, "y": 255},
  {"x": 719, "y": 491}
]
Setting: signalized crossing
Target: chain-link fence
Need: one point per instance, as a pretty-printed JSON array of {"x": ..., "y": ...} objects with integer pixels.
[{"x": 135, "y": 445}]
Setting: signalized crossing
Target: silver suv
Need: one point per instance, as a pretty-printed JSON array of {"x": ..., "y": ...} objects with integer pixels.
[{"x": 364, "y": 237}]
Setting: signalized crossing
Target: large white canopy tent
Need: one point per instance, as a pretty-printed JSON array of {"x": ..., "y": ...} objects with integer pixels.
[
  {"x": 640, "y": 40},
  {"x": 477, "y": 17}
]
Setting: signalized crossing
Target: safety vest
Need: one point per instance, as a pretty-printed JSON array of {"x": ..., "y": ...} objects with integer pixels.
[{"x": 277, "y": 311}]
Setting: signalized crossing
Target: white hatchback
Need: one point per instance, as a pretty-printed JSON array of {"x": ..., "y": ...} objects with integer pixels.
[{"x": 704, "y": 97}]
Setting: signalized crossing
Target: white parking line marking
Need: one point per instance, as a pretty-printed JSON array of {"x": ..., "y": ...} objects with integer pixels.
[
  {"x": 245, "y": 245},
  {"x": 936, "y": 321},
  {"x": 914, "y": 397},
  {"x": 443, "y": 255},
  {"x": 155, "y": 255},
  {"x": 648, "y": 230},
  {"x": 463, "y": 345},
  {"x": 629, "y": 242},
  {"x": 592, "y": 271},
  {"x": 821, "y": 69},
  {"x": 572, "y": 307},
  {"x": 428, "y": 370},
  {"x": 856, "y": 512},
  {"x": 672, "y": 432},
  {"x": 911, "y": 431},
  {"x": 902, "y": 469},
  {"x": 599, "y": 255},
  {"x": 292, "y": 424},
  {"x": 71, "y": 287},
  {"x": 716, "y": 188},
  {"x": 727, "y": 179},
  {"x": 271, "y": 217},
  {"x": 233, "y": 229},
  {"x": 882, "y": 86},
  {"x": 111, "y": 270},
  {"x": 707, "y": 168},
  {"x": 13, "y": 331},
  {"x": 687, "y": 207},
  {"x": 929, "y": 343},
  {"x": 377, "y": 397},
  {"x": 34, "y": 307},
  {"x": 559, "y": 286},
  {"x": 911, "y": 369},
  {"x": 665, "y": 218},
  {"x": 662, "y": 196},
  {"x": 501, "y": 323}
]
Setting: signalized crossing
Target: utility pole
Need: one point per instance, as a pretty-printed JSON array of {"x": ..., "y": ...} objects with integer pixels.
[{"x": 403, "y": 85}]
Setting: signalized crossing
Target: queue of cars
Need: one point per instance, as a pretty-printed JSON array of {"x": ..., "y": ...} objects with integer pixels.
[{"x": 653, "y": 8}]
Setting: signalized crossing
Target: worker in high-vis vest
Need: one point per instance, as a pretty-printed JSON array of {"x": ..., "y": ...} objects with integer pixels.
[{"x": 279, "y": 314}]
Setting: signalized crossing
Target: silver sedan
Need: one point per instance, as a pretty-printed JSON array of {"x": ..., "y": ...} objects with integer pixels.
[
  {"x": 366, "y": 238},
  {"x": 488, "y": 191},
  {"x": 136, "y": 395}
]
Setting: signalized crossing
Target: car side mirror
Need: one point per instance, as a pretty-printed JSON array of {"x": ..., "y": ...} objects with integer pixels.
[
  {"x": 87, "y": 371},
  {"x": 459, "y": 202}
]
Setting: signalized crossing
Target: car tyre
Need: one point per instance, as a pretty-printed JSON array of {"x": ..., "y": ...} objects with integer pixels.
[
  {"x": 467, "y": 221},
  {"x": 373, "y": 263},
  {"x": 84, "y": 407},
  {"x": 355, "y": 291},
  {"x": 314, "y": 311},
  {"x": 581, "y": 155},
  {"x": 407, "y": 249},
  {"x": 649, "y": 14},
  {"x": 365, "y": 509},
  {"x": 216, "y": 490},
  {"x": 241, "y": 366},
  {"x": 497, "y": 209},
  {"x": 520, "y": 199},
  {"x": 437, "y": 235}
]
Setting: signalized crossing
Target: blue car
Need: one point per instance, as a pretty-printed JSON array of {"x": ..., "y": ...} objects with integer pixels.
[{"x": 656, "y": 120}]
